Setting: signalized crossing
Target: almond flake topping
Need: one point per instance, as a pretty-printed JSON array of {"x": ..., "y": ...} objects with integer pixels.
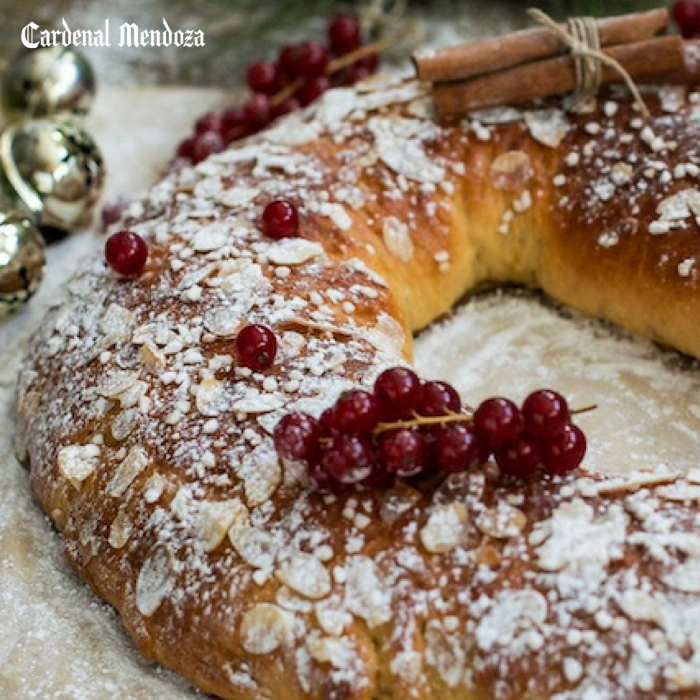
[
  {"x": 294, "y": 251},
  {"x": 674, "y": 210},
  {"x": 215, "y": 519},
  {"x": 548, "y": 126},
  {"x": 156, "y": 579},
  {"x": 132, "y": 465},
  {"x": 397, "y": 239},
  {"x": 120, "y": 531},
  {"x": 501, "y": 522},
  {"x": 210, "y": 237},
  {"x": 77, "y": 462},
  {"x": 255, "y": 546},
  {"x": 264, "y": 628},
  {"x": 445, "y": 529},
  {"x": 511, "y": 171},
  {"x": 306, "y": 575}
]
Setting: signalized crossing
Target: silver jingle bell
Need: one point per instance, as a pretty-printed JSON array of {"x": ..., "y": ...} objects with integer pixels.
[
  {"x": 48, "y": 80},
  {"x": 22, "y": 260},
  {"x": 55, "y": 169}
]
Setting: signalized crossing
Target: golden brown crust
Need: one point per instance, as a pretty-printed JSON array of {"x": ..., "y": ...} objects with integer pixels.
[{"x": 152, "y": 454}]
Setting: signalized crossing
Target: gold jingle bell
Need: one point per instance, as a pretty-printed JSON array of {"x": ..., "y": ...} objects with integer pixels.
[
  {"x": 55, "y": 169},
  {"x": 48, "y": 80},
  {"x": 22, "y": 260}
]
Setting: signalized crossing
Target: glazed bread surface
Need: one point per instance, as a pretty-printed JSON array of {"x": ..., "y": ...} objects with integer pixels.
[{"x": 151, "y": 450}]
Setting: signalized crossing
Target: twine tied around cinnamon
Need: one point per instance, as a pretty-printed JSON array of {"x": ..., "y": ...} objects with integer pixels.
[{"x": 582, "y": 37}]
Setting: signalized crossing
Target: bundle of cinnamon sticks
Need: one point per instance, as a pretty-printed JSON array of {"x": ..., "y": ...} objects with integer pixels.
[{"x": 536, "y": 63}]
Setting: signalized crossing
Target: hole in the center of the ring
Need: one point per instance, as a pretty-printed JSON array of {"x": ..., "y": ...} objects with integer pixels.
[{"x": 512, "y": 341}]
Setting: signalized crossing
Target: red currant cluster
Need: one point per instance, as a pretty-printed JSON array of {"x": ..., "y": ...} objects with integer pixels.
[
  {"x": 407, "y": 427},
  {"x": 686, "y": 14},
  {"x": 300, "y": 74}
]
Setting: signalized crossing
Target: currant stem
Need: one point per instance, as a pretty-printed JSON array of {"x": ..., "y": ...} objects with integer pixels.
[
  {"x": 423, "y": 420},
  {"x": 585, "y": 409},
  {"x": 285, "y": 92},
  {"x": 338, "y": 64},
  {"x": 367, "y": 50},
  {"x": 451, "y": 418}
]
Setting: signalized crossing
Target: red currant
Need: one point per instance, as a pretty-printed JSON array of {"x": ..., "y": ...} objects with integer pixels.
[
  {"x": 545, "y": 412},
  {"x": 565, "y": 451},
  {"x": 520, "y": 459},
  {"x": 126, "y": 252},
  {"x": 296, "y": 436},
  {"x": 355, "y": 412},
  {"x": 185, "y": 148},
  {"x": 307, "y": 60},
  {"x": 328, "y": 422},
  {"x": 344, "y": 33},
  {"x": 404, "y": 452},
  {"x": 208, "y": 122},
  {"x": 497, "y": 422},
  {"x": 206, "y": 143},
  {"x": 232, "y": 122},
  {"x": 456, "y": 448},
  {"x": 370, "y": 62},
  {"x": 397, "y": 390},
  {"x": 256, "y": 112},
  {"x": 378, "y": 478},
  {"x": 256, "y": 347},
  {"x": 286, "y": 60},
  {"x": 313, "y": 88},
  {"x": 320, "y": 478},
  {"x": 438, "y": 399},
  {"x": 353, "y": 74},
  {"x": 347, "y": 458},
  {"x": 112, "y": 211},
  {"x": 291, "y": 104},
  {"x": 178, "y": 164},
  {"x": 280, "y": 219},
  {"x": 686, "y": 14},
  {"x": 262, "y": 77}
]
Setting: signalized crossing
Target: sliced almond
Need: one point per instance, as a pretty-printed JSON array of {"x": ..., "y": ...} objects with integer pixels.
[
  {"x": 332, "y": 619},
  {"x": 210, "y": 237},
  {"x": 120, "y": 531},
  {"x": 634, "y": 482},
  {"x": 116, "y": 383},
  {"x": 445, "y": 529},
  {"x": 211, "y": 399},
  {"x": 257, "y": 403},
  {"x": 156, "y": 579},
  {"x": 132, "y": 465},
  {"x": 222, "y": 321},
  {"x": 511, "y": 171},
  {"x": 254, "y": 545},
  {"x": 117, "y": 324},
  {"x": 502, "y": 521},
  {"x": 77, "y": 462},
  {"x": 332, "y": 650},
  {"x": 306, "y": 575},
  {"x": 152, "y": 356},
  {"x": 397, "y": 501},
  {"x": 397, "y": 239},
  {"x": 217, "y": 517},
  {"x": 264, "y": 628},
  {"x": 261, "y": 478},
  {"x": 294, "y": 251}
]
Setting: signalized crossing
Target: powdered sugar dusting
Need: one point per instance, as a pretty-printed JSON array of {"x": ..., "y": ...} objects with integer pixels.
[{"x": 226, "y": 509}]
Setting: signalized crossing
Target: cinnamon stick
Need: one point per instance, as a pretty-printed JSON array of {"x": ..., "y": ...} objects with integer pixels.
[
  {"x": 645, "y": 61},
  {"x": 497, "y": 53}
]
